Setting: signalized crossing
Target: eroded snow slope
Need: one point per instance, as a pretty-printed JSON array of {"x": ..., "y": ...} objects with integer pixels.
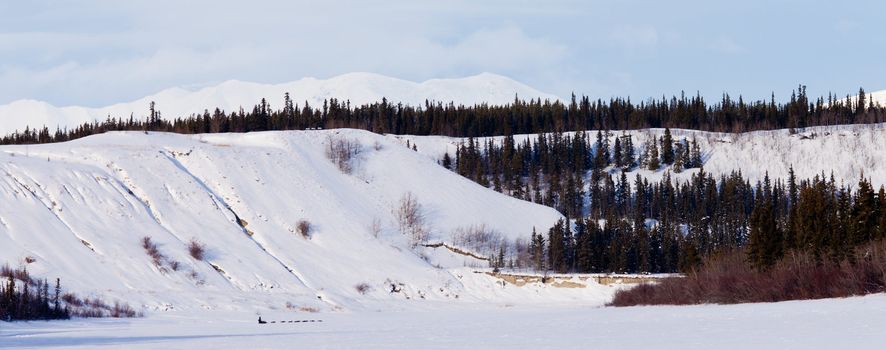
[{"x": 81, "y": 209}]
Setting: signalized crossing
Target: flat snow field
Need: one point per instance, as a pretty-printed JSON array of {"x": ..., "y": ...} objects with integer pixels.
[{"x": 852, "y": 323}]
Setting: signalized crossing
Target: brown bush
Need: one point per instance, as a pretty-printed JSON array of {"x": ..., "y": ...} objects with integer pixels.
[
  {"x": 196, "y": 249},
  {"x": 72, "y": 300},
  {"x": 123, "y": 311},
  {"x": 304, "y": 228},
  {"x": 152, "y": 250},
  {"x": 363, "y": 288},
  {"x": 728, "y": 279},
  {"x": 20, "y": 274}
]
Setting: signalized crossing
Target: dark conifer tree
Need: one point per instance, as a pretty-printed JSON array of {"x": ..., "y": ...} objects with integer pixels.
[
  {"x": 652, "y": 160},
  {"x": 447, "y": 161},
  {"x": 667, "y": 148}
]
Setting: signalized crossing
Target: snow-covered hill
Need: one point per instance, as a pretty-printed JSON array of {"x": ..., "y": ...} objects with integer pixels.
[
  {"x": 79, "y": 210},
  {"x": 358, "y": 88},
  {"x": 877, "y": 97},
  {"x": 847, "y": 152}
]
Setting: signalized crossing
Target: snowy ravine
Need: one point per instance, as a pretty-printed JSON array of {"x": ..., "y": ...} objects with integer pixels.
[
  {"x": 79, "y": 211},
  {"x": 846, "y": 151},
  {"x": 852, "y": 323}
]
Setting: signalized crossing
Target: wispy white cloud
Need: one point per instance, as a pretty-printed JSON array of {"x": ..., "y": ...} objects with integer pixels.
[{"x": 94, "y": 53}]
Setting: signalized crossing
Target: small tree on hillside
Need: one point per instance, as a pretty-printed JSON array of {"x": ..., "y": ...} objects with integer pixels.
[
  {"x": 667, "y": 150},
  {"x": 652, "y": 162},
  {"x": 411, "y": 219}
]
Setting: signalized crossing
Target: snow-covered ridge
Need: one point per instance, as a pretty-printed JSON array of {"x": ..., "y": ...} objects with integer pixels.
[
  {"x": 847, "y": 152},
  {"x": 358, "y": 88}
]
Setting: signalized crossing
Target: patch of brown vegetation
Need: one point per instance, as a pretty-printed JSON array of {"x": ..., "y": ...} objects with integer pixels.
[{"x": 729, "y": 279}]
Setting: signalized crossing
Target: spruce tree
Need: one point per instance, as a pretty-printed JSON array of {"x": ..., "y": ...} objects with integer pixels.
[
  {"x": 652, "y": 162},
  {"x": 695, "y": 155},
  {"x": 765, "y": 238},
  {"x": 679, "y": 156},
  {"x": 557, "y": 247},
  {"x": 447, "y": 161},
  {"x": 686, "y": 155},
  {"x": 667, "y": 150},
  {"x": 865, "y": 214},
  {"x": 617, "y": 156},
  {"x": 628, "y": 154},
  {"x": 881, "y": 224}
]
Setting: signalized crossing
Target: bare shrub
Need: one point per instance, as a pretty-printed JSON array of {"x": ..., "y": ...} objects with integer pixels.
[
  {"x": 147, "y": 243},
  {"x": 480, "y": 239},
  {"x": 342, "y": 152},
  {"x": 363, "y": 288},
  {"x": 411, "y": 219},
  {"x": 6, "y": 271},
  {"x": 197, "y": 250},
  {"x": 375, "y": 227},
  {"x": 123, "y": 311},
  {"x": 729, "y": 279},
  {"x": 96, "y": 307},
  {"x": 304, "y": 228},
  {"x": 157, "y": 257},
  {"x": 310, "y": 309},
  {"x": 151, "y": 248},
  {"x": 71, "y": 299}
]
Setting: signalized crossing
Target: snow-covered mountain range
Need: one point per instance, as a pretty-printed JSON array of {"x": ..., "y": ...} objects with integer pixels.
[{"x": 358, "y": 88}]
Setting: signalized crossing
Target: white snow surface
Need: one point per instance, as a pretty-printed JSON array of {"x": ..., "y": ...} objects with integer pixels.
[
  {"x": 358, "y": 88},
  {"x": 877, "y": 97},
  {"x": 851, "y": 323},
  {"x": 81, "y": 209},
  {"x": 846, "y": 151}
]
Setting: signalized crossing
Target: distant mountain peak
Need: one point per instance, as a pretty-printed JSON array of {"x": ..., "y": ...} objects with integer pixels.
[{"x": 358, "y": 88}]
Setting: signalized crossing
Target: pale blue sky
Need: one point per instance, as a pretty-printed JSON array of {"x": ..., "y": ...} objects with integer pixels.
[{"x": 99, "y": 52}]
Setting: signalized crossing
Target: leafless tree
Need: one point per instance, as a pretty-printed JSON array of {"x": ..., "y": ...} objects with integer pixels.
[
  {"x": 411, "y": 219},
  {"x": 343, "y": 152}
]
